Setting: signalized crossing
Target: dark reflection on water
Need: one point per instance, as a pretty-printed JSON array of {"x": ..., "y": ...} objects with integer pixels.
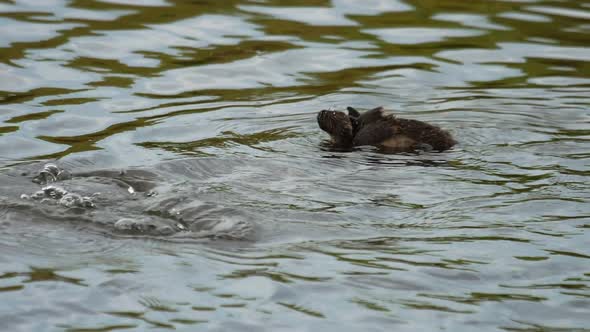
[{"x": 209, "y": 109}]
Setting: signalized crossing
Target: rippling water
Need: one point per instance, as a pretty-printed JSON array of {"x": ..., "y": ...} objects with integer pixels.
[{"x": 199, "y": 116}]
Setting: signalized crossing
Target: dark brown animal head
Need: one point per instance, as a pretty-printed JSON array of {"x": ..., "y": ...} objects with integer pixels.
[{"x": 338, "y": 125}]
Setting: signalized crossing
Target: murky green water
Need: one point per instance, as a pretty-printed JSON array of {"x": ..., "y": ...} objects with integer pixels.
[{"x": 210, "y": 107}]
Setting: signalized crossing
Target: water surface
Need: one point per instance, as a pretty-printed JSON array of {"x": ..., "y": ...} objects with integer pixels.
[{"x": 206, "y": 110}]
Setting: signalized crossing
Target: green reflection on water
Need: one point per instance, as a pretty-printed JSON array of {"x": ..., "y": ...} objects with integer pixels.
[
  {"x": 8, "y": 129},
  {"x": 253, "y": 140},
  {"x": 32, "y": 116},
  {"x": 302, "y": 309},
  {"x": 101, "y": 329}
]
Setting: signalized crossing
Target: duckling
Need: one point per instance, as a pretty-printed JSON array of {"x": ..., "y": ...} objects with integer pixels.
[{"x": 386, "y": 131}]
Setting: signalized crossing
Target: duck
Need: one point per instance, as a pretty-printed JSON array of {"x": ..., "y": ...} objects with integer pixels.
[{"x": 380, "y": 128}]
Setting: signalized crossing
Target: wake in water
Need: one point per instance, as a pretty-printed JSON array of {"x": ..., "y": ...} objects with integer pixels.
[{"x": 133, "y": 202}]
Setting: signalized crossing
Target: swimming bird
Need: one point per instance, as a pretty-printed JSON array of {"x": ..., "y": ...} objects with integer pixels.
[{"x": 384, "y": 130}]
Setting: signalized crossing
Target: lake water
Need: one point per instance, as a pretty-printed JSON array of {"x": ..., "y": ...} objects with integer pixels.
[{"x": 196, "y": 121}]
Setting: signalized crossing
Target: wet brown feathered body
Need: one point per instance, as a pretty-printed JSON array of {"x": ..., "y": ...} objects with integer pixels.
[{"x": 377, "y": 128}]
